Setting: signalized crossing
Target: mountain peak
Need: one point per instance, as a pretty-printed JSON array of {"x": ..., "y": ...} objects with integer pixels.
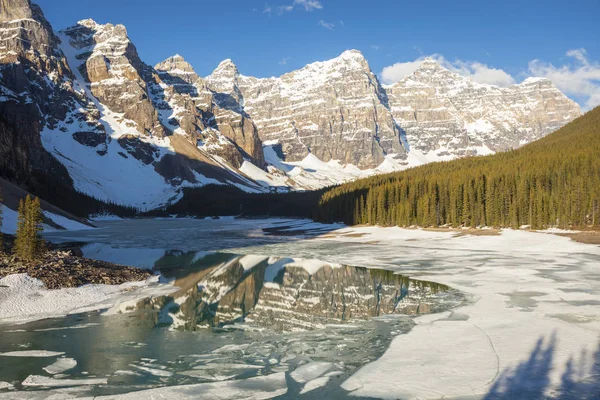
[
  {"x": 430, "y": 64},
  {"x": 227, "y": 64},
  {"x": 536, "y": 80},
  {"x": 15, "y": 9},
  {"x": 175, "y": 63},
  {"x": 352, "y": 53},
  {"x": 226, "y": 68},
  {"x": 88, "y": 23}
]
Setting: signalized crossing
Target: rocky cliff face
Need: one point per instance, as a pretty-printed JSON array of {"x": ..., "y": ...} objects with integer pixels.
[
  {"x": 221, "y": 130},
  {"x": 115, "y": 73},
  {"x": 35, "y": 90},
  {"x": 334, "y": 110},
  {"x": 450, "y": 115}
]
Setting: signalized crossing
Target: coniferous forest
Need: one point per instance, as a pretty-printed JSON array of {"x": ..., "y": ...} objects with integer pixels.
[{"x": 553, "y": 182}]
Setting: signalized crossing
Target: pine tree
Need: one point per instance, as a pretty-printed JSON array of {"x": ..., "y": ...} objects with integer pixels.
[
  {"x": 1, "y": 220},
  {"x": 21, "y": 248},
  {"x": 29, "y": 244},
  {"x": 37, "y": 228}
]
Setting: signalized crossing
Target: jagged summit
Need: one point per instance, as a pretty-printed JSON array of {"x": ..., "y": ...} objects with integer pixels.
[
  {"x": 352, "y": 53},
  {"x": 88, "y": 23},
  {"x": 91, "y": 27},
  {"x": 430, "y": 62},
  {"x": 537, "y": 81},
  {"x": 226, "y": 64},
  {"x": 431, "y": 70},
  {"x": 176, "y": 64}
]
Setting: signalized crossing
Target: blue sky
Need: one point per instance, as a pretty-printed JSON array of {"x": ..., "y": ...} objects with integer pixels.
[{"x": 494, "y": 43}]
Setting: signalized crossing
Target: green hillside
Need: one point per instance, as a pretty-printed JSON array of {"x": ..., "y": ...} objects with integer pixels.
[{"x": 553, "y": 182}]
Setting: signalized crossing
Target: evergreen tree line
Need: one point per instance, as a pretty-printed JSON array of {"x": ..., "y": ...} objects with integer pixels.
[
  {"x": 215, "y": 200},
  {"x": 553, "y": 182}
]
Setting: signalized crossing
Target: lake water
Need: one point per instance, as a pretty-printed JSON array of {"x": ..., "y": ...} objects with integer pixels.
[{"x": 230, "y": 318}]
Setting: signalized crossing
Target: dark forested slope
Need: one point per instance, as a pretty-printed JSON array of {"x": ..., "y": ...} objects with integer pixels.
[{"x": 554, "y": 181}]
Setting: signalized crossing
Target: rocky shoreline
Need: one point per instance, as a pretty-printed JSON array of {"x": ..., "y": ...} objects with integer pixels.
[{"x": 63, "y": 269}]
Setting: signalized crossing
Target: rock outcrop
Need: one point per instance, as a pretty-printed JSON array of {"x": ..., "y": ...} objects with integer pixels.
[
  {"x": 199, "y": 110},
  {"x": 35, "y": 90},
  {"x": 112, "y": 67}
]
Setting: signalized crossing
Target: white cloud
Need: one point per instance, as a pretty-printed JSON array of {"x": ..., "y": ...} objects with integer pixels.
[
  {"x": 341, "y": 23},
  {"x": 579, "y": 78},
  {"x": 475, "y": 70},
  {"x": 394, "y": 73},
  {"x": 375, "y": 47},
  {"x": 327, "y": 25},
  {"x": 284, "y": 60},
  {"x": 307, "y": 5},
  {"x": 481, "y": 73}
]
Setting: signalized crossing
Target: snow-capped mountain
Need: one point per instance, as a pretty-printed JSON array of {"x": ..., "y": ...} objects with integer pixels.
[
  {"x": 81, "y": 108},
  {"x": 334, "y": 110},
  {"x": 447, "y": 115}
]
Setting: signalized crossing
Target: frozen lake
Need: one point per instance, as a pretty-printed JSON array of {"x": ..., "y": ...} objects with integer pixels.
[{"x": 255, "y": 314}]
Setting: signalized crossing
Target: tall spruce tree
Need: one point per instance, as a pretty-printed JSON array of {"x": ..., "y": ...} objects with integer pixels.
[
  {"x": 1, "y": 221},
  {"x": 20, "y": 247},
  {"x": 29, "y": 244},
  {"x": 36, "y": 218}
]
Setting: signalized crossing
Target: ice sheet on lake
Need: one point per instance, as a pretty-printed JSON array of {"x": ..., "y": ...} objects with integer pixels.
[
  {"x": 534, "y": 345},
  {"x": 32, "y": 353},
  {"x": 489, "y": 341},
  {"x": 261, "y": 387},
  {"x": 44, "y": 381},
  {"x": 61, "y": 365}
]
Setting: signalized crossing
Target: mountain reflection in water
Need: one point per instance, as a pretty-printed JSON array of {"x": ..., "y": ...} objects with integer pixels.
[{"x": 282, "y": 294}]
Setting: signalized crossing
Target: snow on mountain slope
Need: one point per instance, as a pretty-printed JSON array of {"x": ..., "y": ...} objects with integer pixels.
[
  {"x": 10, "y": 219},
  {"x": 108, "y": 174},
  {"x": 84, "y": 109}
]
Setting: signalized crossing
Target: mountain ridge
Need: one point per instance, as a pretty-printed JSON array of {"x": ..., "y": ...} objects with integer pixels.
[{"x": 123, "y": 131}]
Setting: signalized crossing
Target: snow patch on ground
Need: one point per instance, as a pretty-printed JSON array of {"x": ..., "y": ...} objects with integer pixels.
[
  {"x": 9, "y": 220},
  {"x": 24, "y": 299},
  {"x": 65, "y": 222}
]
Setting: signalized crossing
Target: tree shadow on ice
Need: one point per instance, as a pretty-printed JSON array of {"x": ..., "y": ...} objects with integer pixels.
[{"x": 531, "y": 378}]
